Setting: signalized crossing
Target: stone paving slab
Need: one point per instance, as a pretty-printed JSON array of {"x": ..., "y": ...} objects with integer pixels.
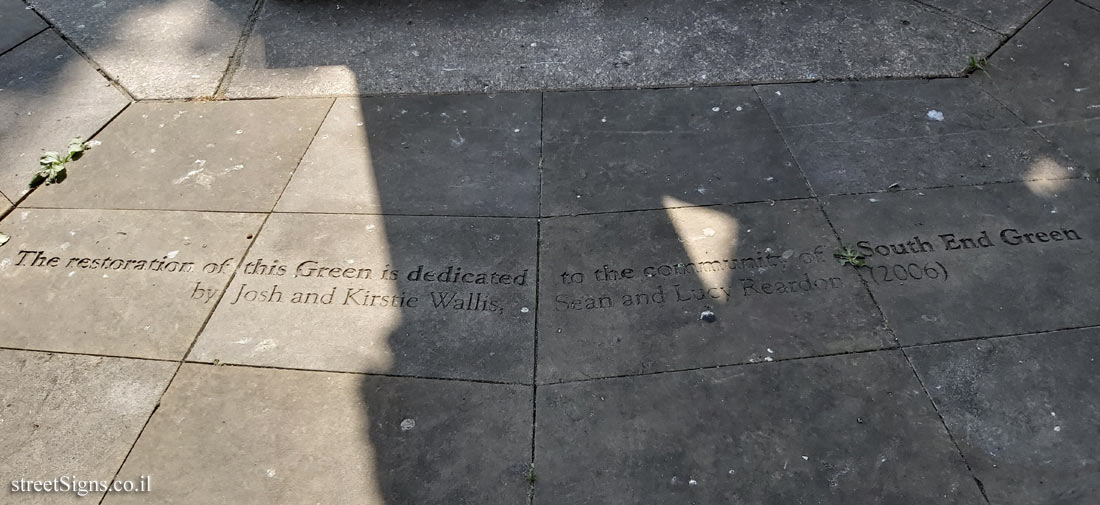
[
  {"x": 17, "y": 24},
  {"x": 870, "y": 136},
  {"x": 155, "y": 49},
  {"x": 766, "y": 272},
  {"x": 5, "y": 204},
  {"x": 373, "y": 294},
  {"x": 48, "y": 95},
  {"x": 261, "y": 436},
  {"x": 1047, "y": 75},
  {"x": 114, "y": 282},
  {"x": 66, "y": 416},
  {"x": 839, "y": 430},
  {"x": 648, "y": 149},
  {"x": 979, "y": 261},
  {"x": 1005, "y": 16},
  {"x": 1023, "y": 410},
  {"x": 340, "y": 48},
  {"x": 464, "y": 155},
  {"x": 227, "y": 156}
]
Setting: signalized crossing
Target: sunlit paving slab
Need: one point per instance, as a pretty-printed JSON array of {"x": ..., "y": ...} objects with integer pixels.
[
  {"x": 48, "y": 95},
  {"x": 872, "y": 136},
  {"x": 17, "y": 23},
  {"x": 261, "y": 436},
  {"x": 847, "y": 429},
  {"x": 978, "y": 261},
  {"x": 1047, "y": 74},
  {"x": 230, "y": 156},
  {"x": 301, "y": 49},
  {"x": 423, "y": 296},
  {"x": 4, "y": 204},
  {"x": 115, "y": 282},
  {"x": 684, "y": 288},
  {"x": 73, "y": 419},
  {"x": 629, "y": 150},
  {"x": 459, "y": 155},
  {"x": 1023, "y": 410},
  {"x": 156, "y": 49}
]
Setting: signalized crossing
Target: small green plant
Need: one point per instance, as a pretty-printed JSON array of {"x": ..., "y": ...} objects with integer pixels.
[
  {"x": 975, "y": 63},
  {"x": 849, "y": 257},
  {"x": 51, "y": 166},
  {"x": 531, "y": 474}
]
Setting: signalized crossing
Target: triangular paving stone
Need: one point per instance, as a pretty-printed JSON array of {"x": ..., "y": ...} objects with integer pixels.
[
  {"x": 48, "y": 95},
  {"x": 1023, "y": 411},
  {"x": 124, "y": 283},
  {"x": 155, "y": 49},
  {"x": 1048, "y": 74},
  {"x": 953, "y": 263},
  {"x": 253, "y": 436},
  {"x": 829, "y": 431},
  {"x": 17, "y": 23},
  {"x": 225, "y": 156},
  {"x": 875, "y": 135},
  {"x": 72, "y": 417},
  {"x": 460, "y": 155}
]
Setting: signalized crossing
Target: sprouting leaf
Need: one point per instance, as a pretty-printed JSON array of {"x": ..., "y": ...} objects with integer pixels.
[
  {"x": 848, "y": 256},
  {"x": 52, "y": 165}
]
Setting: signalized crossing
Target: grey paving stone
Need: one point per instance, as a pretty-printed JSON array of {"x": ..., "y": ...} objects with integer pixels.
[
  {"x": 48, "y": 95},
  {"x": 977, "y": 261},
  {"x": 65, "y": 416},
  {"x": 120, "y": 284},
  {"x": 1005, "y": 16},
  {"x": 309, "y": 49},
  {"x": 838, "y": 430},
  {"x": 5, "y": 204},
  {"x": 1047, "y": 75},
  {"x": 350, "y": 293},
  {"x": 867, "y": 136},
  {"x": 647, "y": 149},
  {"x": 464, "y": 155},
  {"x": 228, "y": 156},
  {"x": 261, "y": 436},
  {"x": 766, "y": 273},
  {"x": 17, "y": 24},
  {"x": 154, "y": 49},
  {"x": 1095, "y": 4},
  {"x": 1023, "y": 410}
]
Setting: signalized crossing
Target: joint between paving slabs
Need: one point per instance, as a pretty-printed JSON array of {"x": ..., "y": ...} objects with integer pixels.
[
  {"x": 538, "y": 264},
  {"x": 958, "y": 16},
  {"x": 1012, "y": 35},
  {"x": 91, "y": 61},
  {"x": 946, "y": 429},
  {"x": 234, "y": 62},
  {"x": 24, "y": 41}
]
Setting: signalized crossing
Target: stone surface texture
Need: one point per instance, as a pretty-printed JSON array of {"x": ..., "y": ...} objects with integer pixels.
[
  {"x": 844, "y": 429},
  {"x": 233, "y": 156},
  {"x": 873, "y": 136},
  {"x": 72, "y": 416},
  {"x": 299, "y": 437},
  {"x": 459, "y": 155},
  {"x": 155, "y": 49},
  {"x": 17, "y": 24},
  {"x": 337, "y": 48},
  {"x": 1023, "y": 411},
  {"x": 1004, "y": 16},
  {"x": 649, "y": 149},
  {"x": 48, "y": 95}
]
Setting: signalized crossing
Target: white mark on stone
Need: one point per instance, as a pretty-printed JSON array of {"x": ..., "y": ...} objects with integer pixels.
[
  {"x": 715, "y": 109},
  {"x": 238, "y": 132},
  {"x": 935, "y": 115},
  {"x": 1057, "y": 428},
  {"x": 693, "y": 482},
  {"x": 525, "y": 310},
  {"x": 408, "y": 424},
  {"x": 739, "y": 108},
  {"x": 805, "y": 458},
  {"x": 266, "y": 344},
  {"x": 271, "y": 472},
  {"x": 172, "y": 254},
  {"x": 709, "y": 232}
]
